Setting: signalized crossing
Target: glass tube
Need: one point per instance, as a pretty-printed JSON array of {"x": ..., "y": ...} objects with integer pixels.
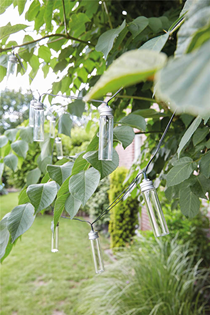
[
  {"x": 96, "y": 251},
  {"x": 105, "y": 134},
  {"x": 55, "y": 239},
  {"x": 39, "y": 122},
  {"x": 31, "y": 113},
  {"x": 12, "y": 66},
  {"x": 154, "y": 209},
  {"x": 52, "y": 127},
  {"x": 59, "y": 149}
]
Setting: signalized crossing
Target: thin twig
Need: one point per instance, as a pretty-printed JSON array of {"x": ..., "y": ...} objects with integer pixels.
[
  {"x": 138, "y": 98},
  {"x": 107, "y": 12},
  {"x": 64, "y": 16}
]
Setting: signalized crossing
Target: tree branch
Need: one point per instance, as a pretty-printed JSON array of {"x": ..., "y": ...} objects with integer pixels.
[
  {"x": 64, "y": 16},
  {"x": 67, "y": 36},
  {"x": 138, "y": 98}
]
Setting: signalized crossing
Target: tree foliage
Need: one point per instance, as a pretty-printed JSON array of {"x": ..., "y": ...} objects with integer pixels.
[{"x": 79, "y": 41}]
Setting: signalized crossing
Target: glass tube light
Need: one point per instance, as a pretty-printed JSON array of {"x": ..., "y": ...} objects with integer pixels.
[
  {"x": 12, "y": 66},
  {"x": 105, "y": 151},
  {"x": 31, "y": 113},
  {"x": 154, "y": 209},
  {"x": 55, "y": 239},
  {"x": 96, "y": 251},
  {"x": 59, "y": 149},
  {"x": 38, "y": 122},
  {"x": 52, "y": 127}
]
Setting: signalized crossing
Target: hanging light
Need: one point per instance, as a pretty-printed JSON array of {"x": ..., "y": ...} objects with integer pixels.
[
  {"x": 38, "y": 121},
  {"x": 96, "y": 250},
  {"x": 55, "y": 238},
  {"x": 52, "y": 126},
  {"x": 105, "y": 133},
  {"x": 31, "y": 113},
  {"x": 11, "y": 71},
  {"x": 59, "y": 149},
  {"x": 155, "y": 212}
]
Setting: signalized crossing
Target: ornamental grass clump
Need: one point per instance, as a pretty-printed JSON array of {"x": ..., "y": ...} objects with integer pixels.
[{"x": 149, "y": 279}]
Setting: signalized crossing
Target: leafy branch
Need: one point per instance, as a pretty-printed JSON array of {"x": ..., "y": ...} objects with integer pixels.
[{"x": 64, "y": 17}]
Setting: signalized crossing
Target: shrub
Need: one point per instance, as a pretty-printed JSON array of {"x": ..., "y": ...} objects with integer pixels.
[
  {"x": 156, "y": 279},
  {"x": 124, "y": 216},
  {"x": 98, "y": 203}
]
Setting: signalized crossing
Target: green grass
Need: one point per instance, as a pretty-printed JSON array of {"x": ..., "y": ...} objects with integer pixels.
[{"x": 36, "y": 281}]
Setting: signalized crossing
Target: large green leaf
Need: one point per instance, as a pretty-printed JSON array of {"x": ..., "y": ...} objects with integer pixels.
[
  {"x": 80, "y": 164},
  {"x": 59, "y": 207},
  {"x": 197, "y": 18},
  {"x": 130, "y": 68},
  {"x": 42, "y": 195},
  {"x": 134, "y": 121},
  {"x": 44, "y": 53},
  {"x": 76, "y": 108},
  {"x": 42, "y": 164},
  {"x": 11, "y": 29},
  {"x": 200, "y": 135},
  {"x": 199, "y": 38},
  {"x": 3, "y": 141},
  {"x": 60, "y": 173},
  {"x": 65, "y": 124},
  {"x": 205, "y": 164},
  {"x": 26, "y": 133},
  {"x": 201, "y": 186},
  {"x": 4, "y": 4},
  {"x": 77, "y": 24},
  {"x": 189, "y": 203},
  {"x": 188, "y": 134},
  {"x": 156, "y": 43},
  {"x": 104, "y": 167},
  {"x": 72, "y": 206},
  {"x": 180, "y": 172},
  {"x": 138, "y": 25},
  {"x": 20, "y": 147},
  {"x": 4, "y": 235},
  {"x": 33, "y": 176},
  {"x": 106, "y": 40},
  {"x": 23, "y": 197},
  {"x": 184, "y": 82},
  {"x": 64, "y": 189},
  {"x": 11, "y": 161},
  {"x": 123, "y": 134},
  {"x": 83, "y": 184},
  {"x": 21, "y": 6},
  {"x": 20, "y": 220},
  {"x": 11, "y": 134}
]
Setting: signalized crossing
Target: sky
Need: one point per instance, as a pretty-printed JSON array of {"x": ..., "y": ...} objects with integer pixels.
[{"x": 39, "y": 83}]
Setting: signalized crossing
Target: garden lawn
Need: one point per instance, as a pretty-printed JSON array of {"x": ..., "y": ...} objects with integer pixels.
[{"x": 36, "y": 281}]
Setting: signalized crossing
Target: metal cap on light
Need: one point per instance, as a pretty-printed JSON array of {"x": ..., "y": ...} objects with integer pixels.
[{"x": 105, "y": 110}]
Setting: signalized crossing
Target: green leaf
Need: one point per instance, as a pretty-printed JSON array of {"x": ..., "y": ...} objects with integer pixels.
[
  {"x": 3, "y": 72},
  {"x": 48, "y": 15},
  {"x": 4, "y": 4},
  {"x": 155, "y": 24},
  {"x": 42, "y": 195},
  {"x": 33, "y": 176},
  {"x": 199, "y": 38},
  {"x": 11, "y": 134},
  {"x": 138, "y": 25},
  {"x": 64, "y": 189},
  {"x": 205, "y": 165},
  {"x": 59, "y": 207},
  {"x": 20, "y": 220},
  {"x": 188, "y": 134},
  {"x": 200, "y": 135},
  {"x": 33, "y": 11},
  {"x": 156, "y": 43},
  {"x": 83, "y": 184},
  {"x": 184, "y": 82},
  {"x": 77, "y": 108},
  {"x": 44, "y": 53},
  {"x": 104, "y": 167},
  {"x": 130, "y": 68},
  {"x": 77, "y": 24},
  {"x": 65, "y": 124},
  {"x": 21, "y": 6},
  {"x": 72, "y": 206},
  {"x": 23, "y": 197},
  {"x": 11, "y": 29},
  {"x": 1, "y": 171},
  {"x": 80, "y": 164},
  {"x": 4, "y": 60},
  {"x": 201, "y": 186},
  {"x": 60, "y": 173},
  {"x": 196, "y": 18},
  {"x": 189, "y": 203},
  {"x": 4, "y": 235},
  {"x": 45, "y": 70},
  {"x": 180, "y": 172},
  {"x": 11, "y": 161},
  {"x": 26, "y": 133},
  {"x": 42, "y": 164},
  {"x": 106, "y": 40},
  {"x": 134, "y": 121},
  {"x": 123, "y": 134},
  {"x": 3, "y": 141},
  {"x": 20, "y": 147},
  {"x": 149, "y": 113}
]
